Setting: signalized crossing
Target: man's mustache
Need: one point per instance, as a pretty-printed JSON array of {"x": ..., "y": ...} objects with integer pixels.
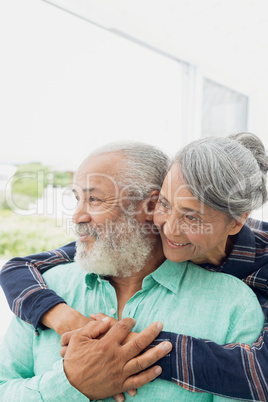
[{"x": 86, "y": 229}]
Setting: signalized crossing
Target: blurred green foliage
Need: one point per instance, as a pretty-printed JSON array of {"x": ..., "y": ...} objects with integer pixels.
[
  {"x": 31, "y": 179},
  {"x": 61, "y": 179},
  {"x": 24, "y": 235}
]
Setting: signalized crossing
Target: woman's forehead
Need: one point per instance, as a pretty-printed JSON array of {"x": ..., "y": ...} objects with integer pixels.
[
  {"x": 180, "y": 195},
  {"x": 174, "y": 183}
]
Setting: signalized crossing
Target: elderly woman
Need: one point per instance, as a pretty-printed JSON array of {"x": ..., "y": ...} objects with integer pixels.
[
  {"x": 207, "y": 195},
  {"x": 201, "y": 215}
]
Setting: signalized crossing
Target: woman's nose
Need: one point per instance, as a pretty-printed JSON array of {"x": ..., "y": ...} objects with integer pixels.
[{"x": 173, "y": 226}]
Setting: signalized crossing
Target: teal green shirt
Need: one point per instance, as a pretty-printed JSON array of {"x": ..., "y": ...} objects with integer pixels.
[{"x": 185, "y": 297}]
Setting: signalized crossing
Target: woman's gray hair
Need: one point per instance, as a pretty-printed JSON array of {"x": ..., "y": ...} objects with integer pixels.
[
  {"x": 143, "y": 169},
  {"x": 227, "y": 174}
]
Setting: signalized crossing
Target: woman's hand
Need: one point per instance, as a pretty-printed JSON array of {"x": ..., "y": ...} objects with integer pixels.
[
  {"x": 101, "y": 317},
  {"x": 63, "y": 318}
]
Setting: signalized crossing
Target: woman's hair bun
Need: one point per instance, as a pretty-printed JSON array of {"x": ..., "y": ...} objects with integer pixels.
[{"x": 254, "y": 144}]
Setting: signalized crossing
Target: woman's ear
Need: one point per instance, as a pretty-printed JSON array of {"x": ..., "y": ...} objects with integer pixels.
[
  {"x": 150, "y": 204},
  {"x": 238, "y": 223}
]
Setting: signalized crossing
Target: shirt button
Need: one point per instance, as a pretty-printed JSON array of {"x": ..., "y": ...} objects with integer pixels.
[{"x": 112, "y": 310}]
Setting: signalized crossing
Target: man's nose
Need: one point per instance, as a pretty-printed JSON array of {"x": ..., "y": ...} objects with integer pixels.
[{"x": 81, "y": 214}]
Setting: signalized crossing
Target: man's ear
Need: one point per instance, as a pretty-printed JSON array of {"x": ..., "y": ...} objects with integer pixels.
[
  {"x": 150, "y": 204},
  {"x": 238, "y": 223}
]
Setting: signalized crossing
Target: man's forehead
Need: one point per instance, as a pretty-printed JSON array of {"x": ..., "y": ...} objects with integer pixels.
[
  {"x": 98, "y": 172},
  {"x": 95, "y": 182},
  {"x": 108, "y": 163},
  {"x": 96, "y": 191}
]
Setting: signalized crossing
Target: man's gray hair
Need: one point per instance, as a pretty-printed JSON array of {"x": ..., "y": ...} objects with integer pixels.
[
  {"x": 143, "y": 169},
  {"x": 227, "y": 174}
]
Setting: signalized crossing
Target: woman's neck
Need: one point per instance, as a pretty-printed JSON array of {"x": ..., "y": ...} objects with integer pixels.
[{"x": 219, "y": 255}]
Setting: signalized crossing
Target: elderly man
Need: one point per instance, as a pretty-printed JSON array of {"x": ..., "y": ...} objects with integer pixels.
[{"x": 127, "y": 275}]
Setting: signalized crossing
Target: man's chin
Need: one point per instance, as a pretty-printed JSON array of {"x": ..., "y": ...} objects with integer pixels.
[
  {"x": 85, "y": 244},
  {"x": 83, "y": 238},
  {"x": 114, "y": 253},
  {"x": 95, "y": 267}
]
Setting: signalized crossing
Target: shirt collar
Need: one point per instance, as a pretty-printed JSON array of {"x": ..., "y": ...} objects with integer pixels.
[
  {"x": 92, "y": 279},
  {"x": 169, "y": 275}
]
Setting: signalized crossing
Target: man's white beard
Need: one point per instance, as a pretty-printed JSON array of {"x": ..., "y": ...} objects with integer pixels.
[{"x": 120, "y": 249}]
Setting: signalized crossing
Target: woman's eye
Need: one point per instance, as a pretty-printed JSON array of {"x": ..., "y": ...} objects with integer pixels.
[
  {"x": 191, "y": 218},
  {"x": 163, "y": 204}
]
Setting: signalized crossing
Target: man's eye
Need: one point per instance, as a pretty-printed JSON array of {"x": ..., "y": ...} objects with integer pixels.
[{"x": 94, "y": 200}]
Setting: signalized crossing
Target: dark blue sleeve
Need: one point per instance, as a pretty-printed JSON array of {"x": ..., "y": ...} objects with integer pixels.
[
  {"x": 25, "y": 289},
  {"x": 233, "y": 370}
]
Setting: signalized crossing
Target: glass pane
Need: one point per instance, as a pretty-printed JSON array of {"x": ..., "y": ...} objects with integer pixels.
[{"x": 224, "y": 110}]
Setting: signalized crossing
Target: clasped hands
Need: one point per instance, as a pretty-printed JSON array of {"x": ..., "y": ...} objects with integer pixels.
[{"x": 103, "y": 358}]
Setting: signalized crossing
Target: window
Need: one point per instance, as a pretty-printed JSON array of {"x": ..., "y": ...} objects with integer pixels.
[{"x": 224, "y": 111}]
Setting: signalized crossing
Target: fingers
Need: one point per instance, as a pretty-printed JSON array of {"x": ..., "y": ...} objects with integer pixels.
[
  {"x": 92, "y": 330},
  {"x": 101, "y": 316},
  {"x": 143, "y": 339},
  {"x": 148, "y": 358},
  {"x": 132, "y": 392},
  {"x": 98, "y": 316},
  {"x": 120, "y": 330},
  {"x": 119, "y": 397},
  {"x": 65, "y": 339},
  {"x": 141, "y": 379},
  {"x": 63, "y": 351}
]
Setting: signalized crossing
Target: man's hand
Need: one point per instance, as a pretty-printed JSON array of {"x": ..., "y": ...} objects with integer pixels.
[
  {"x": 100, "y": 368},
  {"x": 65, "y": 339},
  {"x": 63, "y": 318},
  {"x": 113, "y": 321}
]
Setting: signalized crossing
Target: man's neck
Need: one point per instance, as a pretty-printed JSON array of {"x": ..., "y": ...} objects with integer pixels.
[{"x": 126, "y": 287}]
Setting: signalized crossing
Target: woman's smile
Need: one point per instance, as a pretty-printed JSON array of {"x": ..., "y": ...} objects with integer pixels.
[{"x": 176, "y": 245}]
